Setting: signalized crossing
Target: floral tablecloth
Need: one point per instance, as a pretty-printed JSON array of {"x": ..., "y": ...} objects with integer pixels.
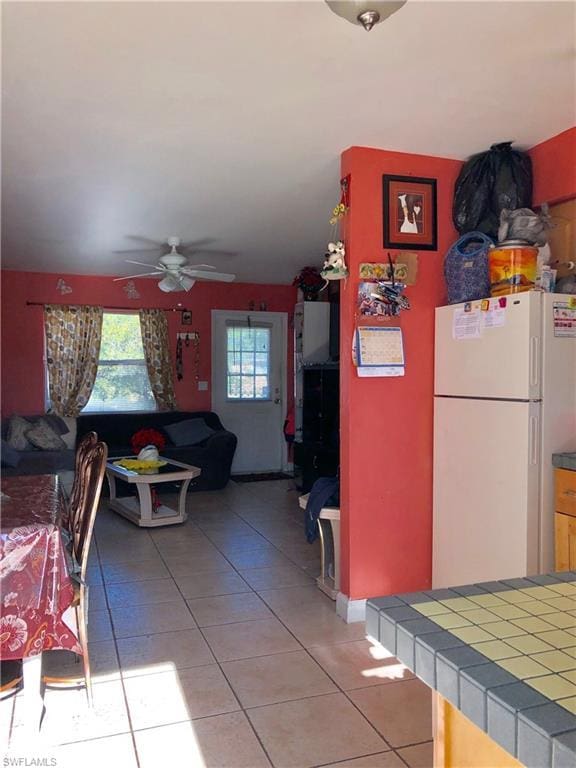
[{"x": 35, "y": 587}]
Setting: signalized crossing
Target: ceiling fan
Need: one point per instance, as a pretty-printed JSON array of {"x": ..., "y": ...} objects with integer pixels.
[{"x": 175, "y": 271}]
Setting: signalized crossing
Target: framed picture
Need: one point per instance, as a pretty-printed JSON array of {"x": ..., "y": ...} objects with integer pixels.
[
  {"x": 186, "y": 317},
  {"x": 409, "y": 213}
]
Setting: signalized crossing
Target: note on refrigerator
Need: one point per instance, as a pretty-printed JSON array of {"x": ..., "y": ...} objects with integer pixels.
[
  {"x": 466, "y": 323},
  {"x": 495, "y": 317}
]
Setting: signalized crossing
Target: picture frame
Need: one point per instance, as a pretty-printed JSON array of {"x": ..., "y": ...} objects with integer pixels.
[
  {"x": 409, "y": 213},
  {"x": 186, "y": 317}
]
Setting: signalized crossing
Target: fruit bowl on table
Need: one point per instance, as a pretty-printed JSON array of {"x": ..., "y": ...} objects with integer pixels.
[{"x": 141, "y": 466}]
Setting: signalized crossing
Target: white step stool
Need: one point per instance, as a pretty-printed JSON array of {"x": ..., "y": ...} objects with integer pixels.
[{"x": 329, "y": 530}]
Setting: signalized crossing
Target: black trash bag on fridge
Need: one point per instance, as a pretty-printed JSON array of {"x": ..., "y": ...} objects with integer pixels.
[{"x": 488, "y": 183}]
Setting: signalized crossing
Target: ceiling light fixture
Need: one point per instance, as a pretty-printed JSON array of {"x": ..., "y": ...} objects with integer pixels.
[
  {"x": 365, "y": 12},
  {"x": 174, "y": 282}
]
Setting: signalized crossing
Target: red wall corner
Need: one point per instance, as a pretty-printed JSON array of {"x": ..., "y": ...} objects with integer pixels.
[{"x": 554, "y": 168}]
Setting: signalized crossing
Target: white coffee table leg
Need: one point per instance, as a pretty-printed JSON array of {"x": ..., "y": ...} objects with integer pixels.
[
  {"x": 33, "y": 701},
  {"x": 112, "y": 485},
  {"x": 145, "y": 498},
  {"x": 182, "y": 498}
]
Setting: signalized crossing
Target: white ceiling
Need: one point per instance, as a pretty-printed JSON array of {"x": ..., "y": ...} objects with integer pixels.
[{"x": 226, "y": 120}]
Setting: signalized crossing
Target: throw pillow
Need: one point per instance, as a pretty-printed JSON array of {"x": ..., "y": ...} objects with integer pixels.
[
  {"x": 10, "y": 456},
  {"x": 42, "y": 436},
  {"x": 57, "y": 423},
  {"x": 189, "y": 432},
  {"x": 70, "y": 436},
  {"x": 16, "y": 437}
]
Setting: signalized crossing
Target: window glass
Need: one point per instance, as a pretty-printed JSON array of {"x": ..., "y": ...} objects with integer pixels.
[
  {"x": 248, "y": 359},
  {"x": 122, "y": 382}
]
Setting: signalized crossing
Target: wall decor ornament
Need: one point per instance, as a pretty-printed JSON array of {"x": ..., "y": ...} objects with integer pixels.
[
  {"x": 409, "y": 212},
  {"x": 334, "y": 262},
  {"x": 405, "y": 269},
  {"x": 130, "y": 290},
  {"x": 63, "y": 287}
]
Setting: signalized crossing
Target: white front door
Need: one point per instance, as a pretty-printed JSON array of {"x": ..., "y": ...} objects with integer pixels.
[{"x": 249, "y": 385}]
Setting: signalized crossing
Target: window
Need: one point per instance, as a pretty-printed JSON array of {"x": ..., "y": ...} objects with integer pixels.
[
  {"x": 248, "y": 368},
  {"x": 122, "y": 380}
]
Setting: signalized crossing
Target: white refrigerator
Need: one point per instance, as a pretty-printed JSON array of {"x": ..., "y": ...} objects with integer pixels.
[{"x": 505, "y": 401}]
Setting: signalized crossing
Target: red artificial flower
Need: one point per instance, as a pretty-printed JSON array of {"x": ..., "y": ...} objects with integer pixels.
[
  {"x": 308, "y": 279},
  {"x": 145, "y": 437}
]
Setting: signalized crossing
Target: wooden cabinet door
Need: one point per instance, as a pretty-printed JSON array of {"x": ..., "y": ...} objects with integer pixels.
[
  {"x": 565, "y": 542},
  {"x": 565, "y": 491}
]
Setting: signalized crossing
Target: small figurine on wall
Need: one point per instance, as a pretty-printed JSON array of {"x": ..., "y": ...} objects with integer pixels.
[{"x": 334, "y": 264}]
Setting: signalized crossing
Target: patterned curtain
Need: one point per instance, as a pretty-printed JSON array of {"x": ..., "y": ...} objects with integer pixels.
[
  {"x": 73, "y": 337},
  {"x": 154, "y": 327}
]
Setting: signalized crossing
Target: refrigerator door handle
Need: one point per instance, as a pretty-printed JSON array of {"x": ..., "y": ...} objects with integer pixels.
[
  {"x": 534, "y": 360},
  {"x": 533, "y": 440}
]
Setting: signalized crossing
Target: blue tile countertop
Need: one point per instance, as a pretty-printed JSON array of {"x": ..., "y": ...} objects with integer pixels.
[
  {"x": 564, "y": 461},
  {"x": 502, "y": 652}
]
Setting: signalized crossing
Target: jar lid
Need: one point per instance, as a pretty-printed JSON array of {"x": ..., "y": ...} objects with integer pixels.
[{"x": 515, "y": 244}]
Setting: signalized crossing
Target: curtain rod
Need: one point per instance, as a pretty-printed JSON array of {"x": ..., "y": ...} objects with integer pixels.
[{"x": 84, "y": 304}]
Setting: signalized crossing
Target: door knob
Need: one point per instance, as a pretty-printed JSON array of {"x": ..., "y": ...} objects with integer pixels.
[{"x": 277, "y": 401}]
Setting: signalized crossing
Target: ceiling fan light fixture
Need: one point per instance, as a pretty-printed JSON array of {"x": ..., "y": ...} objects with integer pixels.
[
  {"x": 175, "y": 283},
  {"x": 366, "y": 13},
  {"x": 186, "y": 282}
]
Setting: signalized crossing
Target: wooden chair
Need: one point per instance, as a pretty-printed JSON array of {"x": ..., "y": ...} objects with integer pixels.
[
  {"x": 82, "y": 517},
  {"x": 82, "y": 451}
]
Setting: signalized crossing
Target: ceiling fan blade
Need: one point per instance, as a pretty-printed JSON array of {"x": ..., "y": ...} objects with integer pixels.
[
  {"x": 192, "y": 244},
  {"x": 222, "y": 277},
  {"x": 197, "y": 266},
  {"x": 140, "y": 250},
  {"x": 144, "y": 264},
  {"x": 131, "y": 277},
  {"x": 209, "y": 252},
  {"x": 148, "y": 241}
]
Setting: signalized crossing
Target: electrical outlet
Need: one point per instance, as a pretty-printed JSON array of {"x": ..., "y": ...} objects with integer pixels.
[{"x": 202, "y": 386}]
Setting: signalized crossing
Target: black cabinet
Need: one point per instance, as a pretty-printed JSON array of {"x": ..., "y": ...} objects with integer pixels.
[{"x": 318, "y": 455}]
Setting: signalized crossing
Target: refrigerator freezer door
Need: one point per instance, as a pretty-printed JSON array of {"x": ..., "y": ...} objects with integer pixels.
[
  {"x": 504, "y": 362},
  {"x": 486, "y": 492}
]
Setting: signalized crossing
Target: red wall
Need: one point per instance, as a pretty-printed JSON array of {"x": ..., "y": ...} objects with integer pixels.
[
  {"x": 386, "y": 424},
  {"x": 23, "y": 335},
  {"x": 554, "y": 168}
]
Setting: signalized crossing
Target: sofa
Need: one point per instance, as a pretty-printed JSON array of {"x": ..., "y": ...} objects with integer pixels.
[{"x": 213, "y": 453}]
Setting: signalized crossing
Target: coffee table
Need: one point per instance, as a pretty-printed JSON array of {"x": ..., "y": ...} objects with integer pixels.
[{"x": 140, "y": 510}]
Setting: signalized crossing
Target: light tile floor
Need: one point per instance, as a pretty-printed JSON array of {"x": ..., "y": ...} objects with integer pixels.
[{"x": 213, "y": 648}]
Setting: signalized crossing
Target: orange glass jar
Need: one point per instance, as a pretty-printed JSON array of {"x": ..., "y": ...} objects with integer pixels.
[{"x": 512, "y": 267}]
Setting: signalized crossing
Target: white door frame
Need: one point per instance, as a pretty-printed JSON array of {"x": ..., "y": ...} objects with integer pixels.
[{"x": 235, "y": 314}]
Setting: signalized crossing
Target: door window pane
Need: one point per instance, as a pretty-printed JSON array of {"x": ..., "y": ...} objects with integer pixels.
[{"x": 248, "y": 363}]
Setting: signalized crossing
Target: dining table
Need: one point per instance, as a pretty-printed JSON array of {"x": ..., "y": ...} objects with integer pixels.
[{"x": 36, "y": 586}]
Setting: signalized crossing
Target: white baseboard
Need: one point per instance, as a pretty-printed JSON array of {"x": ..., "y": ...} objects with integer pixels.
[{"x": 350, "y": 610}]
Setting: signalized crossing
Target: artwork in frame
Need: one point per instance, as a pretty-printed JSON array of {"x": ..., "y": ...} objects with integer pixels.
[
  {"x": 409, "y": 213},
  {"x": 186, "y": 317}
]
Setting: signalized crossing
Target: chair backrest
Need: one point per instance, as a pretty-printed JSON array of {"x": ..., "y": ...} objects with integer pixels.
[
  {"x": 84, "y": 446},
  {"x": 90, "y": 486}
]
